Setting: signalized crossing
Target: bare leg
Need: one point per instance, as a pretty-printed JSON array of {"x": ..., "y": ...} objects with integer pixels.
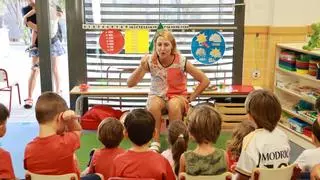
[
  {"x": 33, "y": 26},
  {"x": 176, "y": 108},
  {"x": 33, "y": 77},
  {"x": 34, "y": 37},
  {"x": 55, "y": 71},
  {"x": 155, "y": 105}
]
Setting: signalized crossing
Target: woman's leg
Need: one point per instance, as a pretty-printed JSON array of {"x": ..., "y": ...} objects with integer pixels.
[
  {"x": 177, "y": 107},
  {"x": 155, "y": 104},
  {"x": 34, "y": 38},
  {"x": 33, "y": 26},
  {"x": 55, "y": 71},
  {"x": 33, "y": 76}
]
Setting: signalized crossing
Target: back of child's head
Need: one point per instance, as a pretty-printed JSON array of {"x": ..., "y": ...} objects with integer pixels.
[
  {"x": 264, "y": 107},
  {"x": 316, "y": 130},
  {"x": 48, "y": 106},
  {"x": 178, "y": 137},
  {"x": 4, "y": 113},
  {"x": 110, "y": 132},
  {"x": 204, "y": 123},
  {"x": 140, "y": 126},
  {"x": 317, "y": 105},
  {"x": 234, "y": 145}
]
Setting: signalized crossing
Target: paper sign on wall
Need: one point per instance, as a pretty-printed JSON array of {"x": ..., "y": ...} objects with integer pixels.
[
  {"x": 111, "y": 41},
  {"x": 137, "y": 41}
]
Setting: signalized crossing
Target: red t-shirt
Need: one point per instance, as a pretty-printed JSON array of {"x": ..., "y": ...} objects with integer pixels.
[
  {"x": 102, "y": 161},
  {"x": 232, "y": 162},
  {"x": 142, "y": 165},
  {"x": 6, "y": 169},
  {"x": 52, "y": 155}
]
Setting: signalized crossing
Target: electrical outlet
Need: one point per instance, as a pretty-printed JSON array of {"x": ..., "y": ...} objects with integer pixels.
[{"x": 256, "y": 74}]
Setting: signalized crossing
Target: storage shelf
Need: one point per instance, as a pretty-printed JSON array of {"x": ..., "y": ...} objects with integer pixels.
[
  {"x": 296, "y": 94},
  {"x": 304, "y": 76},
  {"x": 298, "y": 48},
  {"x": 292, "y": 113},
  {"x": 300, "y": 139}
]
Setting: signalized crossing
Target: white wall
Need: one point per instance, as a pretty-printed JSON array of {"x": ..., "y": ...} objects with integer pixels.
[
  {"x": 282, "y": 12},
  {"x": 258, "y": 12}
]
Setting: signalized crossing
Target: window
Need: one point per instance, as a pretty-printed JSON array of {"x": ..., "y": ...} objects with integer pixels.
[{"x": 103, "y": 69}]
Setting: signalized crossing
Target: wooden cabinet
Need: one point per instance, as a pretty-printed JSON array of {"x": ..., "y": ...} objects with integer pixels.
[{"x": 297, "y": 91}]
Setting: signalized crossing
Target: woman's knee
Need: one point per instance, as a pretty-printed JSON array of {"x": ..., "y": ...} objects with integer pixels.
[
  {"x": 155, "y": 104},
  {"x": 175, "y": 105}
]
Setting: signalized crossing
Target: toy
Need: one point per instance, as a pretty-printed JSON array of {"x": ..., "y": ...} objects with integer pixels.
[{"x": 314, "y": 41}]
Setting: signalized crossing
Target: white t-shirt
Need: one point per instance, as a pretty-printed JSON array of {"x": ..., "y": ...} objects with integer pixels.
[
  {"x": 168, "y": 155},
  {"x": 308, "y": 158},
  {"x": 263, "y": 149}
]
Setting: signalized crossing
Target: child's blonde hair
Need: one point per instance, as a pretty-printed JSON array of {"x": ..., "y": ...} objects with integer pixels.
[
  {"x": 234, "y": 145},
  {"x": 264, "y": 107},
  {"x": 204, "y": 123},
  {"x": 178, "y": 137}
]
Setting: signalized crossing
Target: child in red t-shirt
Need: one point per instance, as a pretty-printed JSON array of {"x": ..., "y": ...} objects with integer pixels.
[
  {"x": 52, "y": 152},
  {"x": 110, "y": 134},
  {"x": 234, "y": 145},
  {"x": 139, "y": 161},
  {"x": 6, "y": 169}
]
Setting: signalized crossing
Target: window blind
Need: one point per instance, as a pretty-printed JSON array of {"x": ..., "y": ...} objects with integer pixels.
[{"x": 105, "y": 69}]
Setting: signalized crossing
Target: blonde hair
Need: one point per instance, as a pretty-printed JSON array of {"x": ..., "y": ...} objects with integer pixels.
[
  {"x": 204, "y": 123},
  {"x": 264, "y": 107},
  {"x": 168, "y": 36},
  {"x": 234, "y": 145}
]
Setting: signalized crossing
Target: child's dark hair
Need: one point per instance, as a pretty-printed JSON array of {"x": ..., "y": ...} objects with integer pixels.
[
  {"x": 316, "y": 130},
  {"x": 317, "y": 105},
  {"x": 234, "y": 145},
  {"x": 264, "y": 107},
  {"x": 4, "y": 113},
  {"x": 178, "y": 137},
  {"x": 48, "y": 106},
  {"x": 204, "y": 123},
  {"x": 140, "y": 125},
  {"x": 110, "y": 132}
]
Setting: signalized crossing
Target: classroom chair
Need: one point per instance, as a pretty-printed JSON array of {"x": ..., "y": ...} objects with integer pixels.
[
  {"x": 224, "y": 176},
  {"x": 33, "y": 176},
  {"x": 5, "y": 86},
  {"x": 290, "y": 172}
]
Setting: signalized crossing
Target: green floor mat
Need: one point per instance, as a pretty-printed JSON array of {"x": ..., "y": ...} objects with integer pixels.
[{"x": 89, "y": 140}]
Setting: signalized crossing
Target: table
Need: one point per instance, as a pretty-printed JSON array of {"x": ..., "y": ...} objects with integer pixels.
[{"x": 124, "y": 91}]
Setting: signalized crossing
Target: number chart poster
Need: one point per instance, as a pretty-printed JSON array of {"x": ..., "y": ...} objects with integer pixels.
[
  {"x": 137, "y": 41},
  {"x": 111, "y": 41},
  {"x": 208, "y": 46}
]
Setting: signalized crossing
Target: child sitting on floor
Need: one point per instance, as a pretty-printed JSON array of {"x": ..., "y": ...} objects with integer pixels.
[
  {"x": 110, "y": 134},
  {"x": 139, "y": 161},
  {"x": 52, "y": 152},
  {"x": 234, "y": 145},
  {"x": 204, "y": 124},
  {"x": 267, "y": 146},
  {"x": 6, "y": 169},
  {"x": 178, "y": 138}
]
